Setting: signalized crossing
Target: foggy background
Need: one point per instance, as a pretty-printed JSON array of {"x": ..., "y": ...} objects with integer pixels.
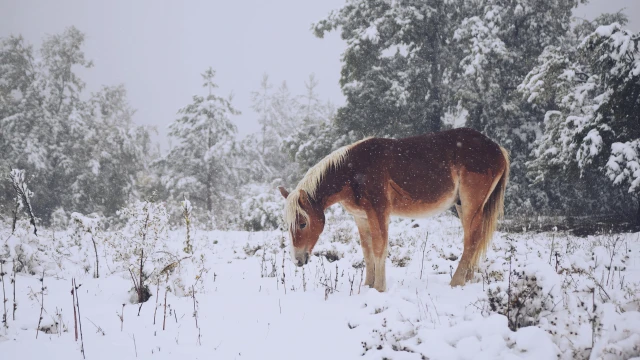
[{"x": 158, "y": 49}]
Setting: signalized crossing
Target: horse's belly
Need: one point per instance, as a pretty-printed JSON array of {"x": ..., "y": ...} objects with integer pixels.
[{"x": 417, "y": 209}]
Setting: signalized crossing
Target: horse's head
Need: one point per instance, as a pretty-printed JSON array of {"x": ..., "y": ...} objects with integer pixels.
[{"x": 305, "y": 220}]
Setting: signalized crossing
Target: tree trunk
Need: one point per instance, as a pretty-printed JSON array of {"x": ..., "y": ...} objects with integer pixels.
[{"x": 209, "y": 205}]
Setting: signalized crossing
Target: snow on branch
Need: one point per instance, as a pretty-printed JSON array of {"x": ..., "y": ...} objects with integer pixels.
[{"x": 23, "y": 195}]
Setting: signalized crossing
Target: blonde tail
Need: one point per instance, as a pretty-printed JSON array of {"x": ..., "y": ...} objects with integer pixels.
[{"x": 493, "y": 210}]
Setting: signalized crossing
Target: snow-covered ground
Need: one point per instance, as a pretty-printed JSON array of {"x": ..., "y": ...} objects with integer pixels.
[{"x": 253, "y": 303}]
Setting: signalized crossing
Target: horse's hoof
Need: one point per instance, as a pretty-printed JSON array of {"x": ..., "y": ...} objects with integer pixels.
[{"x": 381, "y": 288}]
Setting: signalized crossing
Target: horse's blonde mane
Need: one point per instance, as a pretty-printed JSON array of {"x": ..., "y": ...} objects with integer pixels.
[{"x": 310, "y": 182}]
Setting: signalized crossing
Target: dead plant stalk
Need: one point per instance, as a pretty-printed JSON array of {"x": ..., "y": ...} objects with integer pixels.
[
  {"x": 4, "y": 296},
  {"x": 41, "y": 303},
  {"x": 75, "y": 317},
  {"x": 13, "y": 282},
  {"x": 75, "y": 286}
]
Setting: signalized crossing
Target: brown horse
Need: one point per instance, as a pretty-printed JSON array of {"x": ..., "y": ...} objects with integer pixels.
[{"x": 412, "y": 177}]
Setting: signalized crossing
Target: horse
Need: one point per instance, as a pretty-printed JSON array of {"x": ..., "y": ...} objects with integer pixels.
[{"x": 410, "y": 177}]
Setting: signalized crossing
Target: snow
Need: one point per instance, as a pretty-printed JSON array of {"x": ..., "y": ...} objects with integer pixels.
[
  {"x": 244, "y": 312},
  {"x": 623, "y": 163},
  {"x": 371, "y": 34},
  {"x": 607, "y": 30}
]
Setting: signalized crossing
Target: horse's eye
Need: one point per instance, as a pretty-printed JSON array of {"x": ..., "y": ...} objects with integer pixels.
[{"x": 302, "y": 226}]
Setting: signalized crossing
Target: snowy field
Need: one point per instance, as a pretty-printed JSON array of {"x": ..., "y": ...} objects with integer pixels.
[{"x": 239, "y": 296}]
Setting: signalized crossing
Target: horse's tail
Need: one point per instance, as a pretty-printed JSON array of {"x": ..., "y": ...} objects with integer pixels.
[{"x": 493, "y": 210}]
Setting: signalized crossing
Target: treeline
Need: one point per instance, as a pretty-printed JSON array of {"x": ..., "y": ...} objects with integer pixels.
[
  {"x": 562, "y": 94},
  {"x": 83, "y": 152}
]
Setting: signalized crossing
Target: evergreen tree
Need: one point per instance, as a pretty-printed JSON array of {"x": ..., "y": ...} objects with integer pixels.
[
  {"x": 116, "y": 151},
  {"x": 590, "y": 89},
  {"x": 311, "y": 108},
  {"x": 396, "y": 66},
  {"x": 204, "y": 161},
  {"x": 261, "y": 103},
  {"x": 282, "y": 114}
]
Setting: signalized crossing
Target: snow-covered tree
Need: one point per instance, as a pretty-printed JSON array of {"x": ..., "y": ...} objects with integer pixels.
[
  {"x": 281, "y": 114},
  {"x": 116, "y": 150},
  {"x": 591, "y": 92},
  {"x": 81, "y": 155},
  {"x": 204, "y": 162},
  {"x": 261, "y": 103},
  {"x": 395, "y": 66},
  {"x": 312, "y": 110},
  {"x": 285, "y": 112}
]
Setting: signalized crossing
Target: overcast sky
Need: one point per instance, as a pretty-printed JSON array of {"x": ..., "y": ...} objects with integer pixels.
[{"x": 159, "y": 48}]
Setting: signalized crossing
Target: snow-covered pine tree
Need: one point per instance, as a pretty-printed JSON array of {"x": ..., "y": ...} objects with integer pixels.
[
  {"x": 311, "y": 108},
  {"x": 204, "y": 162},
  {"x": 286, "y": 120},
  {"x": 116, "y": 152},
  {"x": 396, "y": 66},
  {"x": 280, "y": 114},
  {"x": 591, "y": 89},
  {"x": 261, "y": 103}
]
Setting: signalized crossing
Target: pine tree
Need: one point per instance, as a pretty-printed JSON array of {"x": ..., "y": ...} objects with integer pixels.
[
  {"x": 396, "y": 66},
  {"x": 261, "y": 103},
  {"x": 590, "y": 88},
  {"x": 311, "y": 108},
  {"x": 116, "y": 151},
  {"x": 203, "y": 163}
]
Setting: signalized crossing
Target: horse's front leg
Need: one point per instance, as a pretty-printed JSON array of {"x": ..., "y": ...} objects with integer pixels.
[
  {"x": 379, "y": 225},
  {"x": 367, "y": 251}
]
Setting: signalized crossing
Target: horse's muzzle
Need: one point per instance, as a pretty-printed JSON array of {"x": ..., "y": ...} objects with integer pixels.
[{"x": 301, "y": 258}]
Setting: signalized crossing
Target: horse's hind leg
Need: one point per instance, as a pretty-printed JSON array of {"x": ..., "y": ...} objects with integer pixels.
[
  {"x": 466, "y": 266},
  {"x": 473, "y": 192},
  {"x": 365, "y": 242}
]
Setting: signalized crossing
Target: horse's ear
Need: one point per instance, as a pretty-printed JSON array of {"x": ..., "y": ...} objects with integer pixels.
[
  {"x": 304, "y": 198},
  {"x": 283, "y": 191}
]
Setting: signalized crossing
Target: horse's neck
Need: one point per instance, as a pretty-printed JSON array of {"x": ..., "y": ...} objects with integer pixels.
[{"x": 330, "y": 188}]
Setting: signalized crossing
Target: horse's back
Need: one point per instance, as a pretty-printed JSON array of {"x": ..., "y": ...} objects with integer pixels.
[{"x": 420, "y": 173}]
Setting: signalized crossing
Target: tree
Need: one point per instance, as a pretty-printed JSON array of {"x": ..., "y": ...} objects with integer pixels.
[
  {"x": 591, "y": 91},
  {"x": 203, "y": 163},
  {"x": 311, "y": 108},
  {"x": 61, "y": 140},
  {"x": 261, "y": 103},
  {"x": 396, "y": 66},
  {"x": 116, "y": 152},
  {"x": 282, "y": 114}
]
